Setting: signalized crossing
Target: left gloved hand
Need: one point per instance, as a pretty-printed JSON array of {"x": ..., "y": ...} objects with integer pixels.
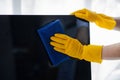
[{"x": 101, "y": 20}]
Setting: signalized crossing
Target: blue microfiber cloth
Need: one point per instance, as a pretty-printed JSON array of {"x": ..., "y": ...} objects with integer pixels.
[{"x": 45, "y": 33}]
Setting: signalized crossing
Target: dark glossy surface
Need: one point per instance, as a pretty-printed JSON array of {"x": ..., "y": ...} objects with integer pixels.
[{"x": 23, "y": 56}]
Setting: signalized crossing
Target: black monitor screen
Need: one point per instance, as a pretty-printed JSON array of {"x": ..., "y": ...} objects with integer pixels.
[{"x": 22, "y": 53}]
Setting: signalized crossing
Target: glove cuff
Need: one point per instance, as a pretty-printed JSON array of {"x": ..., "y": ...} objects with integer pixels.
[
  {"x": 106, "y": 22},
  {"x": 92, "y": 53}
]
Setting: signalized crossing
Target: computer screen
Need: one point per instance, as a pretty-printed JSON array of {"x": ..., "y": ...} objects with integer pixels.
[{"x": 23, "y": 55}]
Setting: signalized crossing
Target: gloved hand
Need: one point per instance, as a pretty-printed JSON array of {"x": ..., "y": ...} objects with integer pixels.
[
  {"x": 101, "y": 20},
  {"x": 73, "y": 48}
]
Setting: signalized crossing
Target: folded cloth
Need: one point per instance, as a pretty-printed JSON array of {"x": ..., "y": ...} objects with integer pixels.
[{"x": 45, "y": 33}]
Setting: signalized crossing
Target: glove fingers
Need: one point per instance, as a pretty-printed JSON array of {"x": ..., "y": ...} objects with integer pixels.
[
  {"x": 57, "y": 45},
  {"x": 80, "y": 15},
  {"x": 58, "y": 40},
  {"x": 59, "y": 50},
  {"x": 62, "y": 36}
]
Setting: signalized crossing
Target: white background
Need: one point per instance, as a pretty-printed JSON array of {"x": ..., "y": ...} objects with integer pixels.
[{"x": 108, "y": 70}]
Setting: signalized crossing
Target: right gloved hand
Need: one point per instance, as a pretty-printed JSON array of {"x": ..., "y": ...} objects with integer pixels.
[
  {"x": 72, "y": 47},
  {"x": 101, "y": 20}
]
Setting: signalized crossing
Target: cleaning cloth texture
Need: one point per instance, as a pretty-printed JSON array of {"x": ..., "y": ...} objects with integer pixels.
[{"x": 45, "y": 33}]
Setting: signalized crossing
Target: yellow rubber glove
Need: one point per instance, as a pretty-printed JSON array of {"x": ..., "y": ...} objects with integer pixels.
[
  {"x": 101, "y": 20},
  {"x": 73, "y": 48}
]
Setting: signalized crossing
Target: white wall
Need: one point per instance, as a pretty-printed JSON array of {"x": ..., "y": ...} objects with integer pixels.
[
  {"x": 51, "y": 7},
  {"x": 5, "y": 7}
]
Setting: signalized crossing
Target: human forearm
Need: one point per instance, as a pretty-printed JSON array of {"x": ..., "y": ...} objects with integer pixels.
[
  {"x": 117, "y": 27},
  {"x": 111, "y": 51}
]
